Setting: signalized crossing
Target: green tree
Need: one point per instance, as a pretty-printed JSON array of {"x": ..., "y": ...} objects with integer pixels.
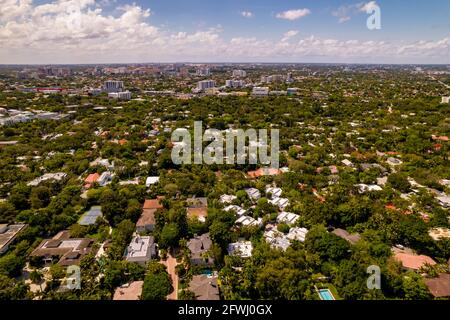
[{"x": 157, "y": 283}]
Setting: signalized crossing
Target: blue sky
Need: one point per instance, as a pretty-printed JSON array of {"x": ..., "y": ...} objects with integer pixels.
[
  {"x": 79, "y": 31},
  {"x": 401, "y": 19}
]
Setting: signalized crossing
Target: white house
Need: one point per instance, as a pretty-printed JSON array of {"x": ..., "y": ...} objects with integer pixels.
[
  {"x": 141, "y": 249},
  {"x": 238, "y": 210},
  {"x": 241, "y": 248},
  {"x": 287, "y": 218},
  {"x": 253, "y": 194},
  {"x": 282, "y": 203},
  {"x": 151, "y": 181},
  {"x": 275, "y": 192},
  {"x": 227, "y": 198}
]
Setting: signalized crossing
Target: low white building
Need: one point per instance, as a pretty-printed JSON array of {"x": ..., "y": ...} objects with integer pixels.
[
  {"x": 362, "y": 187},
  {"x": 48, "y": 176},
  {"x": 276, "y": 239},
  {"x": 253, "y": 194},
  {"x": 282, "y": 203},
  {"x": 287, "y": 217},
  {"x": 151, "y": 181},
  {"x": 238, "y": 210},
  {"x": 125, "y": 95},
  {"x": 104, "y": 178},
  {"x": 444, "y": 200},
  {"x": 141, "y": 249},
  {"x": 275, "y": 192},
  {"x": 247, "y": 221},
  {"x": 242, "y": 249},
  {"x": 297, "y": 233},
  {"x": 393, "y": 161},
  {"x": 227, "y": 198},
  {"x": 347, "y": 162},
  {"x": 260, "y": 91}
]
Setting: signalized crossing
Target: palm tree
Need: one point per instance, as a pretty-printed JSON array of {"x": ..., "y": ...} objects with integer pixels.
[{"x": 36, "y": 277}]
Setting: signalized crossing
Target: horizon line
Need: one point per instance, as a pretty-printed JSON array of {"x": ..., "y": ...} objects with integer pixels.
[{"x": 231, "y": 63}]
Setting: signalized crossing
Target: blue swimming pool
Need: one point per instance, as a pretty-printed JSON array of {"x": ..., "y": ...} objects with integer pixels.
[
  {"x": 325, "y": 294},
  {"x": 207, "y": 272}
]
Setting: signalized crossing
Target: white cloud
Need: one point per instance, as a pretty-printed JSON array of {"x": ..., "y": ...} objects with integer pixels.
[
  {"x": 368, "y": 7},
  {"x": 78, "y": 31},
  {"x": 344, "y": 13},
  {"x": 246, "y": 14},
  {"x": 293, "y": 14},
  {"x": 289, "y": 34}
]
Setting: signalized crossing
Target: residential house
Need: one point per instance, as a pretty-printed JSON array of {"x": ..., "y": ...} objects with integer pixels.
[
  {"x": 276, "y": 239},
  {"x": 204, "y": 287},
  {"x": 253, "y": 194},
  {"x": 104, "y": 178},
  {"x": 48, "y": 176},
  {"x": 198, "y": 208},
  {"x": 297, "y": 233},
  {"x": 362, "y": 187},
  {"x": 273, "y": 191},
  {"x": 282, "y": 203},
  {"x": 238, "y": 210},
  {"x": 263, "y": 172},
  {"x": 91, "y": 179},
  {"x": 68, "y": 251},
  {"x": 141, "y": 249},
  {"x": 247, "y": 221},
  {"x": 199, "y": 247},
  {"x": 151, "y": 181},
  {"x": 439, "y": 233},
  {"x": 129, "y": 291},
  {"x": 8, "y": 234},
  {"x": 393, "y": 161},
  {"x": 287, "y": 217},
  {"x": 242, "y": 249},
  {"x": 226, "y": 198},
  {"x": 439, "y": 287},
  {"x": 347, "y": 162},
  {"x": 146, "y": 221},
  {"x": 412, "y": 261}
]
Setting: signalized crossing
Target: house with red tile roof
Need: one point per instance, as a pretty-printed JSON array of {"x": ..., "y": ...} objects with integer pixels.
[
  {"x": 263, "y": 172},
  {"x": 147, "y": 220},
  {"x": 91, "y": 179},
  {"x": 439, "y": 138},
  {"x": 412, "y": 261}
]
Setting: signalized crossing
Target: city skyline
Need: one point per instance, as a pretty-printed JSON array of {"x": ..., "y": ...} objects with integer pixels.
[{"x": 119, "y": 31}]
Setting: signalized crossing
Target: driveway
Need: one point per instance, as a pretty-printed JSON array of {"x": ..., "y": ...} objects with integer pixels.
[{"x": 171, "y": 263}]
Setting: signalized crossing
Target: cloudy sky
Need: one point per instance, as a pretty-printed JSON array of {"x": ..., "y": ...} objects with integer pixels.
[{"x": 108, "y": 31}]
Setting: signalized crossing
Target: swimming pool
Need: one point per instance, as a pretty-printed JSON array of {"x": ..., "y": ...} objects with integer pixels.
[{"x": 325, "y": 294}]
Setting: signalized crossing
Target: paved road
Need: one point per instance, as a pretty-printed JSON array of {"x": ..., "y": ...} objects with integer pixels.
[{"x": 171, "y": 263}]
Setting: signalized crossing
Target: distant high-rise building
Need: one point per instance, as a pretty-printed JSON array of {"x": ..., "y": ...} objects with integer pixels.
[
  {"x": 260, "y": 91},
  {"x": 113, "y": 86},
  {"x": 234, "y": 83},
  {"x": 239, "y": 73},
  {"x": 203, "y": 72},
  {"x": 289, "y": 78},
  {"x": 123, "y": 95},
  {"x": 206, "y": 84},
  {"x": 272, "y": 78}
]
